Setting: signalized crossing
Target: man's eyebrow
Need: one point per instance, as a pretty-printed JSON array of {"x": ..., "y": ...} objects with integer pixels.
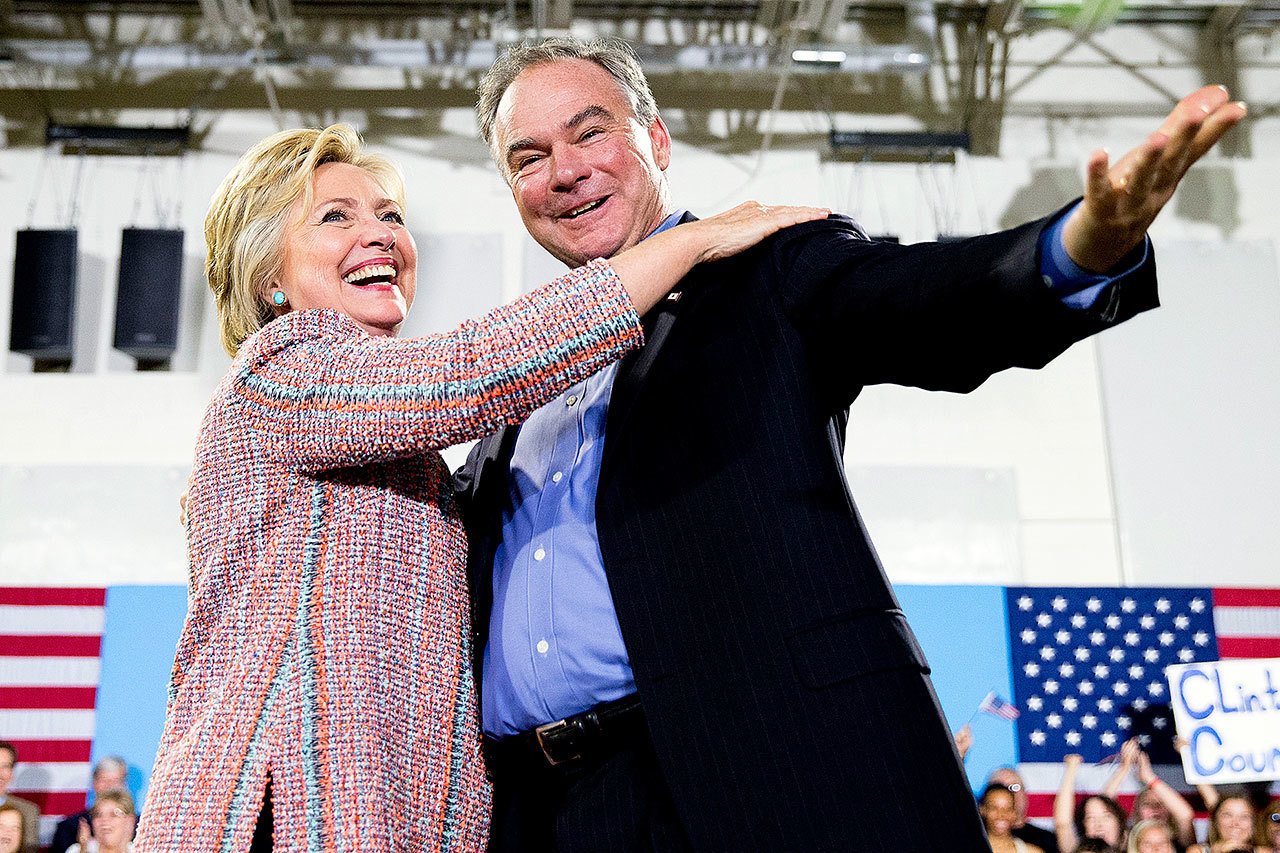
[{"x": 593, "y": 111}]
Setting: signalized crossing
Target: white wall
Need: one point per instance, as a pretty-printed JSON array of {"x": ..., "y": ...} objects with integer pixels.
[{"x": 1042, "y": 434}]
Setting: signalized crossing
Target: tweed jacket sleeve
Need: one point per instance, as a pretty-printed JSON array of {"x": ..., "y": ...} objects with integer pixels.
[{"x": 320, "y": 393}]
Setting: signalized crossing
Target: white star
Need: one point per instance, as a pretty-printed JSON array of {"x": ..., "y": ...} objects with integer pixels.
[
  {"x": 1197, "y": 605},
  {"x": 1159, "y": 722},
  {"x": 1105, "y": 705},
  {"x": 1200, "y": 638},
  {"x": 1108, "y": 739},
  {"x": 1155, "y": 688},
  {"x": 1089, "y": 721},
  {"x": 1094, "y": 604},
  {"x": 1066, "y": 670},
  {"x": 1085, "y": 688},
  {"x": 1044, "y": 620},
  {"x": 1166, "y": 638},
  {"x": 1097, "y": 638},
  {"x": 1032, "y": 669},
  {"x": 1070, "y": 703},
  {"x": 1073, "y": 738},
  {"x": 1123, "y": 722},
  {"x": 1113, "y": 621},
  {"x": 1082, "y": 654},
  {"x": 1116, "y": 655},
  {"x": 1181, "y": 621},
  {"x": 1147, "y": 622},
  {"x": 1025, "y": 602},
  {"x": 1101, "y": 671},
  {"x": 1037, "y": 737},
  {"x": 1120, "y": 688},
  {"x": 1186, "y": 655},
  {"x": 1054, "y": 721},
  {"x": 1151, "y": 655},
  {"x": 1063, "y": 637},
  {"x": 1162, "y": 605},
  {"x": 1028, "y": 636},
  {"x": 1051, "y": 687},
  {"x": 1135, "y": 671},
  {"x": 1144, "y": 740},
  {"x": 1077, "y": 621},
  {"x": 1140, "y": 704},
  {"x": 1059, "y": 604},
  {"x": 1131, "y": 638},
  {"x": 1128, "y": 605},
  {"x": 1047, "y": 653},
  {"x": 1035, "y": 703}
]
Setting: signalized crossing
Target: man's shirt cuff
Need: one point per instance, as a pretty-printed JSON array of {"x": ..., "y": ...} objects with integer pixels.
[{"x": 1076, "y": 287}]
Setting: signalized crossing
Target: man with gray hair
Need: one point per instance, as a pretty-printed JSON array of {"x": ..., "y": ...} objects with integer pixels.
[
  {"x": 110, "y": 773},
  {"x": 684, "y": 639}
]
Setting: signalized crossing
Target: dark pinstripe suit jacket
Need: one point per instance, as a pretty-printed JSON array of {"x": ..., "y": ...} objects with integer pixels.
[{"x": 787, "y": 698}]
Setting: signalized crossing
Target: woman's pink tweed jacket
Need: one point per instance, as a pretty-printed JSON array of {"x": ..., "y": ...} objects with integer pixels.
[{"x": 327, "y": 637}]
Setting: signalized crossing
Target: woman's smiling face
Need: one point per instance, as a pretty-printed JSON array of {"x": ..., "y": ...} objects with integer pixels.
[{"x": 350, "y": 251}]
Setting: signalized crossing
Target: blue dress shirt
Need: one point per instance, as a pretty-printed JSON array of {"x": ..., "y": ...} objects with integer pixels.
[{"x": 555, "y": 647}]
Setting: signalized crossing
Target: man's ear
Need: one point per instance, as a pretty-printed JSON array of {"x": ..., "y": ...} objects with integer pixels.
[{"x": 660, "y": 139}]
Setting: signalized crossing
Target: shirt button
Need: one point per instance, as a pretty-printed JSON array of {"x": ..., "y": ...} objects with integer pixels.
[
  {"x": 571, "y": 400},
  {"x": 539, "y": 554},
  {"x": 1047, "y": 279},
  {"x": 557, "y": 476},
  {"x": 543, "y": 647}
]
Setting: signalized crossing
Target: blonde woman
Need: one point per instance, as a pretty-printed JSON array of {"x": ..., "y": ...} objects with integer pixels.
[
  {"x": 321, "y": 698},
  {"x": 113, "y": 818}
]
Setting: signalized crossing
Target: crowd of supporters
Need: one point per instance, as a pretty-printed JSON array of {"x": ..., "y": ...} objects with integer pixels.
[{"x": 1161, "y": 819}]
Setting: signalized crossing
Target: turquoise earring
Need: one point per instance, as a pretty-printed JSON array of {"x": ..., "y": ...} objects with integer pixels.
[{"x": 278, "y": 297}]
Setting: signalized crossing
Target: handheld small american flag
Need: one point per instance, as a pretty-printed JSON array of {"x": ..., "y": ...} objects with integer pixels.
[{"x": 997, "y": 707}]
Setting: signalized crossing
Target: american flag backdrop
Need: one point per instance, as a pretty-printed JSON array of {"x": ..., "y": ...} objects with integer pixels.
[
  {"x": 1088, "y": 669},
  {"x": 50, "y": 646}
]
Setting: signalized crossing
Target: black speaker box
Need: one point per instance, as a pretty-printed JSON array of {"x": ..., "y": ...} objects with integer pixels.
[
  {"x": 150, "y": 284},
  {"x": 44, "y": 294}
]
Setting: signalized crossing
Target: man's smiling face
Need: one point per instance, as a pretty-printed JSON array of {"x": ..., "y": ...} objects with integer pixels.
[{"x": 586, "y": 176}]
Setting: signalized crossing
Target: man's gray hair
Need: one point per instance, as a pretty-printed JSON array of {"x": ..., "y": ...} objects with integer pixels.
[
  {"x": 613, "y": 55},
  {"x": 109, "y": 763}
]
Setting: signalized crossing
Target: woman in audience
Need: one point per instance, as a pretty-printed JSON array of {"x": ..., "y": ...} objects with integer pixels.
[
  {"x": 1094, "y": 845},
  {"x": 999, "y": 814},
  {"x": 113, "y": 819},
  {"x": 1157, "y": 800},
  {"x": 11, "y": 827},
  {"x": 322, "y": 689},
  {"x": 1233, "y": 826},
  {"x": 1151, "y": 836},
  {"x": 1097, "y": 816}
]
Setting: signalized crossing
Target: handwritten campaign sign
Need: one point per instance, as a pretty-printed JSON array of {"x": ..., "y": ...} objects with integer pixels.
[{"x": 1229, "y": 713}]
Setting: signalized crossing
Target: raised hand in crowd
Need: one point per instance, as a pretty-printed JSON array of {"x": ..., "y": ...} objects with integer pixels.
[{"x": 1097, "y": 816}]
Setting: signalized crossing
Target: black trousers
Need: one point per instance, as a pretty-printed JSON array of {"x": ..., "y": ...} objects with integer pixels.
[{"x": 617, "y": 804}]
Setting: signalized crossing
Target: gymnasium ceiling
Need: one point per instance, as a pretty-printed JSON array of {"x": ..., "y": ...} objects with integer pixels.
[{"x": 953, "y": 65}]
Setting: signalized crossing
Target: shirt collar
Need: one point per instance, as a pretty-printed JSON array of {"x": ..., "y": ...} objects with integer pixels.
[{"x": 670, "y": 222}]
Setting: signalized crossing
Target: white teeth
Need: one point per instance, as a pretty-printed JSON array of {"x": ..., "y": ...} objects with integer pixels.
[
  {"x": 375, "y": 270},
  {"x": 591, "y": 205}
]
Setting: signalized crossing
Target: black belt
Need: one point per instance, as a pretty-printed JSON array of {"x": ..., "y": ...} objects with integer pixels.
[{"x": 573, "y": 742}]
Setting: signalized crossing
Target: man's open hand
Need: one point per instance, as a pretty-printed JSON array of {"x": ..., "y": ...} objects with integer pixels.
[{"x": 1122, "y": 199}]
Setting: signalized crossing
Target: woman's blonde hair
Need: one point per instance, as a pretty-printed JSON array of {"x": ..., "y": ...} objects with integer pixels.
[{"x": 249, "y": 214}]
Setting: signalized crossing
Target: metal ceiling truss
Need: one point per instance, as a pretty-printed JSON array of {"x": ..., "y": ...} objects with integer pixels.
[{"x": 944, "y": 65}]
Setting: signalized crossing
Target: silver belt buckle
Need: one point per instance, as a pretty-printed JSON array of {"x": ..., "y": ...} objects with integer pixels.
[{"x": 541, "y": 733}]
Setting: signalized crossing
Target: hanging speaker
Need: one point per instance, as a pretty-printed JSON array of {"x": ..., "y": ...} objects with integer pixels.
[
  {"x": 44, "y": 294},
  {"x": 147, "y": 296}
]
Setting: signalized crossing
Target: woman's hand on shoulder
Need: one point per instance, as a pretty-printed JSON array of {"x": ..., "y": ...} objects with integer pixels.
[{"x": 741, "y": 227}]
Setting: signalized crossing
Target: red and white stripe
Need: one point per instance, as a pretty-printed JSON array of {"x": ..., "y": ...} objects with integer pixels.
[
  {"x": 1247, "y": 622},
  {"x": 50, "y": 647}
]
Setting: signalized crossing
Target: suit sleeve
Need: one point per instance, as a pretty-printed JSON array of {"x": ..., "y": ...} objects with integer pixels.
[
  {"x": 933, "y": 315},
  {"x": 318, "y": 393}
]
